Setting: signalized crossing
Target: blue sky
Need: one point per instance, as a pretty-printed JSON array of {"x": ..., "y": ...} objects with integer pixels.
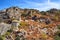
[{"x": 41, "y": 5}]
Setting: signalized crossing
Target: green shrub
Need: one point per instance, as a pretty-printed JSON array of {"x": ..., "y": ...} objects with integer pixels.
[
  {"x": 58, "y": 26},
  {"x": 10, "y": 30},
  {"x": 17, "y": 38},
  {"x": 2, "y": 38},
  {"x": 23, "y": 24},
  {"x": 57, "y": 36}
]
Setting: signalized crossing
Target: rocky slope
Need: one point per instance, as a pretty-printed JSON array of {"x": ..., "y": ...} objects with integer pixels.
[{"x": 29, "y": 24}]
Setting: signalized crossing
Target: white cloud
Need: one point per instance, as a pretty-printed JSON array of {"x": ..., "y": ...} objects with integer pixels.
[{"x": 43, "y": 6}]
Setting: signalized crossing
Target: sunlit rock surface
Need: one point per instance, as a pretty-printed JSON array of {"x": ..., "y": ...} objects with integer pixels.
[{"x": 4, "y": 27}]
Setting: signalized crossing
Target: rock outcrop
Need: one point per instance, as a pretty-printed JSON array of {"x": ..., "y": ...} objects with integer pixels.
[{"x": 4, "y": 27}]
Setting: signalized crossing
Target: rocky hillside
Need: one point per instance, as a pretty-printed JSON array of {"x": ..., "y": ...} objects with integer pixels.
[{"x": 29, "y": 24}]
